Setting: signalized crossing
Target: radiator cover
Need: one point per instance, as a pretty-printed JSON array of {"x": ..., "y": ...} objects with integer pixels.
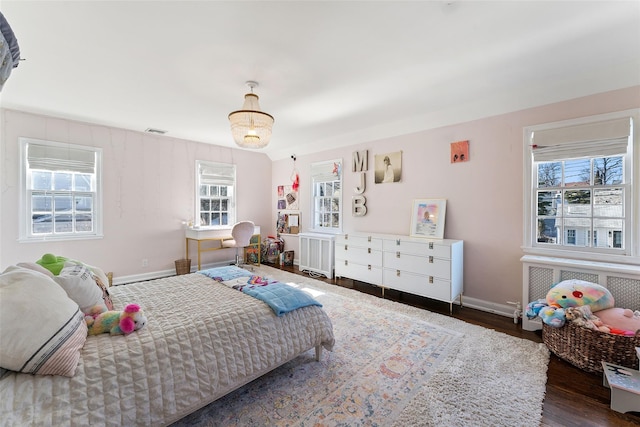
[{"x": 539, "y": 273}]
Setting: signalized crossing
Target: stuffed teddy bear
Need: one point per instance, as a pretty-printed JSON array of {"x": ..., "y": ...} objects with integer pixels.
[
  {"x": 569, "y": 293},
  {"x": 115, "y": 322}
]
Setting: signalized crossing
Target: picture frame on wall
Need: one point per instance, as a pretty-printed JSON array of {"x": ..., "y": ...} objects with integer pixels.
[{"x": 427, "y": 218}]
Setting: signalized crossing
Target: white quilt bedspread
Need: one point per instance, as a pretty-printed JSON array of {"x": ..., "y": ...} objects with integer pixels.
[{"x": 202, "y": 340}]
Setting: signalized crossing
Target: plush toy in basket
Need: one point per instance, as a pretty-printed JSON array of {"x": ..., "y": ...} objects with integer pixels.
[
  {"x": 115, "y": 322},
  {"x": 582, "y": 326},
  {"x": 588, "y": 304}
]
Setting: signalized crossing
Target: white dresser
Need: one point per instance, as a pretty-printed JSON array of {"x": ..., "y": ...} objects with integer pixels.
[{"x": 429, "y": 268}]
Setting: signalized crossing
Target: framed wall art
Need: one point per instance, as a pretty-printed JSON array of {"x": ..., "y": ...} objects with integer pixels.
[
  {"x": 427, "y": 218},
  {"x": 388, "y": 167},
  {"x": 459, "y": 151}
]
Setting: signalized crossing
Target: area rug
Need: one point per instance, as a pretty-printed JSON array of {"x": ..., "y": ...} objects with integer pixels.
[{"x": 392, "y": 365}]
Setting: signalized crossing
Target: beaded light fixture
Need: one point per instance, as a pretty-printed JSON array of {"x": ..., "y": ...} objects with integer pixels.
[{"x": 250, "y": 127}]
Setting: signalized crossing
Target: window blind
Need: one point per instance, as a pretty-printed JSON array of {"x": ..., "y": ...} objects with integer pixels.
[
  {"x": 217, "y": 173},
  {"x": 61, "y": 158},
  {"x": 323, "y": 171},
  {"x": 606, "y": 138}
]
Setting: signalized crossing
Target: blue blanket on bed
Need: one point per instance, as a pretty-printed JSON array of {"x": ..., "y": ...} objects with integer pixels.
[{"x": 280, "y": 297}]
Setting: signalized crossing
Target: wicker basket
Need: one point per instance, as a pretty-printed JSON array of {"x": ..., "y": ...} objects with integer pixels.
[
  {"x": 586, "y": 348},
  {"x": 183, "y": 266}
]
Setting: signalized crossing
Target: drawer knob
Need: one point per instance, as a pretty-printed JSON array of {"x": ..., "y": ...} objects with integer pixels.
[
  {"x": 346, "y": 247},
  {"x": 346, "y": 262},
  {"x": 368, "y": 250},
  {"x": 398, "y": 273},
  {"x": 398, "y": 254},
  {"x": 346, "y": 237},
  {"x": 397, "y": 242},
  {"x": 430, "y": 245},
  {"x": 430, "y": 279},
  {"x": 369, "y": 267},
  {"x": 368, "y": 238},
  {"x": 430, "y": 259}
]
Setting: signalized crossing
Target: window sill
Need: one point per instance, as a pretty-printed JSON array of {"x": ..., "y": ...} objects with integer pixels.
[
  {"x": 582, "y": 256},
  {"x": 58, "y": 238}
]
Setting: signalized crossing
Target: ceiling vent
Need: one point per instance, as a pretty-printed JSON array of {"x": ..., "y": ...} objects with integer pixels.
[{"x": 154, "y": 130}]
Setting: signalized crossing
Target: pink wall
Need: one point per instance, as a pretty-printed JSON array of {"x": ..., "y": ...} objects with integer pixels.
[
  {"x": 148, "y": 185},
  {"x": 484, "y": 195},
  {"x": 148, "y": 190}
]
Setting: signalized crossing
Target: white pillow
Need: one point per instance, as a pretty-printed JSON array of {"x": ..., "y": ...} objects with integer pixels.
[
  {"x": 77, "y": 280},
  {"x": 43, "y": 330},
  {"x": 36, "y": 267}
]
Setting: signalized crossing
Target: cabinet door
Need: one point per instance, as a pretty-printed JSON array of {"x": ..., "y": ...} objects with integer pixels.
[
  {"x": 426, "y": 286},
  {"x": 429, "y": 266}
]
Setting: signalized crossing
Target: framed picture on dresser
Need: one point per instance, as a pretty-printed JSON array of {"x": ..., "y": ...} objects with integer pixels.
[{"x": 427, "y": 218}]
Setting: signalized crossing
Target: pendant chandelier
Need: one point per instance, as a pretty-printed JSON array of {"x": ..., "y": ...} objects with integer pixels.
[{"x": 250, "y": 127}]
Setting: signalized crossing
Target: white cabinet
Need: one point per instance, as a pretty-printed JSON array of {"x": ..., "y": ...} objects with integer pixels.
[
  {"x": 316, "y": 253},
  {"x": 430, "y": 268}
]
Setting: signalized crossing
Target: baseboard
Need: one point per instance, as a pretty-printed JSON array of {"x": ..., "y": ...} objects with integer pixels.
[
  {"x": 488, "y": 306},
  {"x": 133, "y": 278}
]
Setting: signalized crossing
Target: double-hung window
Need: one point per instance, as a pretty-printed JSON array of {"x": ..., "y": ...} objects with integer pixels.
[
  {"x": 326, "y": 188},
  {"x": 580, "y": 176},
  {"x": 62, "y": 190},
  {"x": 215, "y": 194}
]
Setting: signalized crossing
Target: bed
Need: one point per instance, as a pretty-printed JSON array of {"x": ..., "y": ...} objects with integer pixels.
[{"x": 203, "y": 339}]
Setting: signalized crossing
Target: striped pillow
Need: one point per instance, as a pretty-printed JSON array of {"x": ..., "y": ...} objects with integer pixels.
[{"x": 43, "y": 330}]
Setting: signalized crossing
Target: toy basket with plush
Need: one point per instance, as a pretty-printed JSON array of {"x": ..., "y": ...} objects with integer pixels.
[{"x": 585, "y": 344}]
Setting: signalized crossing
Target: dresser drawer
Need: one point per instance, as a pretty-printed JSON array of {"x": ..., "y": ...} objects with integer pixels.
[
  {"x": 363, "y": 272},
  {"x": 358, "y": 254},
  {"x": 421, "y": 247},
  {"x": 362, "y": 240},
  {"x": 418, "y": 284},
  {"x": 430, "y": 266}
]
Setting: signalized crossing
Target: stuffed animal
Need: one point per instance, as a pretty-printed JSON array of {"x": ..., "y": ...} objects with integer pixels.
[
  {"x": 569, "y": 293},
  {"x": 621, "y": 321},
  {"x": 53, "y": 263},
  {"x": 115, "y": 322},
  {"x": 582, "y": 316}
]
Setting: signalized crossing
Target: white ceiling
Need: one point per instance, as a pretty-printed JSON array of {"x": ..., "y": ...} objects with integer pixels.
[{"x": 332, "y": 73}]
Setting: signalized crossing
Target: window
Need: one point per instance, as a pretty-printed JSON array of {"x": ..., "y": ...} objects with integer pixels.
[
  {"x": 326, "y": 182},
  {"x": 61, "y": 186},
  {"x": 581, "y": 178},
  {"x": 215, "y": 194}
]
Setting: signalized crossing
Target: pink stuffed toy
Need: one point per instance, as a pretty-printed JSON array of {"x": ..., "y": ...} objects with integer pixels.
[
  {"x": 115, "y": 322},
  {"x": 622, "y": 321}
]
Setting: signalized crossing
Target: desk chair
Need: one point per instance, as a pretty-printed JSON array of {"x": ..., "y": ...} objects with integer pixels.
[{"x": 241, "y": 233}]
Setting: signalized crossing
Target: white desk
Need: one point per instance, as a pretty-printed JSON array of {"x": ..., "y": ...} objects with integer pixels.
[{"x": 216, "y": 235}]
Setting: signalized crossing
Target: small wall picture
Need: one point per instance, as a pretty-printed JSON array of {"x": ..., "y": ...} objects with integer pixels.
[
  {"x": 427, "y": 218},
  {"x": 459, "y": 151},
  {"x": 388, "y": 167}
]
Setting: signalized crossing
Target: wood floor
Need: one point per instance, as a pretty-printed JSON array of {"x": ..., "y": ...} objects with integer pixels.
[{"x": 573, "y": 397}]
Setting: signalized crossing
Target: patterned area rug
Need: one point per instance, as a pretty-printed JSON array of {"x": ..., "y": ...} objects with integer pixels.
[{"x": 392, "y": 365}]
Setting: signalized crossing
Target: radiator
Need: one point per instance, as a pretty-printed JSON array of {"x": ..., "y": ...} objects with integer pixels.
[
  {"x": 539, "y": 273},
  {"x": 316, "y": 253}
]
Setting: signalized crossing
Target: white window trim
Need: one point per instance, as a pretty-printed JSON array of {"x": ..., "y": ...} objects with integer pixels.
[
  {"x": 326, "y": 230},
  {"x": 25, "y": 235},
  {"x": 232, "y": 207},
  {"x": 632, "y": 168}
]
